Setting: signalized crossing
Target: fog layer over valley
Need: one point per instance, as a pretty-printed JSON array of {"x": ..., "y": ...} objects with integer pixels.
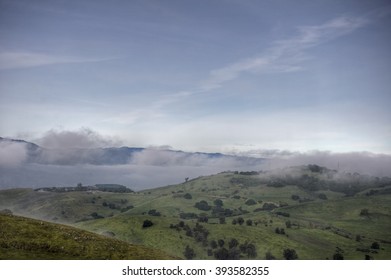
[{"x": 25, "y": 164}]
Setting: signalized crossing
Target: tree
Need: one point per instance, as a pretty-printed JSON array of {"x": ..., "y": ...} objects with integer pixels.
[
  {"x": 249, "y": 222},
  {"x": 375, "y": 246},
  {"x": 240, "y": 221},
  {"x": 233, "y": 243},
  {"x": 147, "y": 223},
  {"x": 221, "y": 254},
  {"x": 189, "y": 253},
  {"x": 221, "y": 242},
  {"x": 187, "y": 196},
  {"x": 202, "y": 205},
  {"x": 269, "y": 256},
  {"x": 213, "y": 244},
  {"x": 203, "y": 219},
  {"x": 250, "y": 202},
  {"x": 338, "y": 256},
  {"x": 290, "y": 254},
  {"x": 218, "y": 202},
  {"x": 364, "y": 212},
  {"x": 222, "y": 220}
]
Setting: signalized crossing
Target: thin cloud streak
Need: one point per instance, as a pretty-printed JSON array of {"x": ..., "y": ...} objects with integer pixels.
[
  {"x": 21, "y": 60},
  {"x": 283, "y": 56},
  {"x": 286, "y": 55}
]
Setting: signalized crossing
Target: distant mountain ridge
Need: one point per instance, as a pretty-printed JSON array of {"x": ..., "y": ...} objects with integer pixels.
[{"x": 121, "y": 155}]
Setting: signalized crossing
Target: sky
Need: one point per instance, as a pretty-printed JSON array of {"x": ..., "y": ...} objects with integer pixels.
[{"x": 214, "y": 76}]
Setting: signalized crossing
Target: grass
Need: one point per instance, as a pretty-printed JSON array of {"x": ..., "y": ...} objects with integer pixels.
[
  {"x": 25, "y": 238},
  {"x": 319, "y": 227}
]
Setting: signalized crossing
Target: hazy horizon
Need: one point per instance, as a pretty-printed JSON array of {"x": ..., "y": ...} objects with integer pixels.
[{"x": 295, "y": 82}]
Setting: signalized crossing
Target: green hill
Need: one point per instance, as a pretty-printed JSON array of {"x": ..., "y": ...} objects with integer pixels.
[
  {"x": 317, "y": 212},
  {"x": 25, "y": 238}
]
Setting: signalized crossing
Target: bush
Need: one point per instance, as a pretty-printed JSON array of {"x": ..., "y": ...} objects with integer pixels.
[
  {"x": 295, "y": 197},
  {"x": 189, "y": 253},
  {"x": 233, "y": 243},
  {"x": 375, "y": 246},
  {"x": 269, "y": 256},
  {"x": 153, "y": 212},
  {"x": 250, "y": 202},
  {"x": 218, "y": 202},
  {"x": 147, "y": 223},
  {"x": 290, "y": 254},
  {"x": 202, "y": 205},
  {"x": 337, "y": 256},
  {"x": 187, "y": 196}
]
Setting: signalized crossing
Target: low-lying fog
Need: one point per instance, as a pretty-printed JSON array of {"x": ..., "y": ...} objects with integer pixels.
[{"x": 151, "y": 168}]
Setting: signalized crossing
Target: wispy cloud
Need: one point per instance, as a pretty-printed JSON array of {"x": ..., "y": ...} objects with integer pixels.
[
  {"x": 284, "y": 55},
  {"x": 287, "y": 54},
  {"x": 16, "y": 60}
]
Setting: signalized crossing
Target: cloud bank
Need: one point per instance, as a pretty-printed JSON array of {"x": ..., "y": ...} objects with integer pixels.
[{"x": 81, "y": 156}]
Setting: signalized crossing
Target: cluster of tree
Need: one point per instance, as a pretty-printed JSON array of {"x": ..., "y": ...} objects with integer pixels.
[
  {"x": 235, "y": 250},
  {"x": 240, "y": 221},
  {"x": 218, "y": 211},
  {"x": 279, "y": 231},
  {"x": 247, "y": 181},
  {"x": 249, "y": 173},
  {"x": 203, "y": 205},
  {"x": 80, "y": 188},
  {"x": 199, "y": 232},
  {"x": 154, "y": 212},
  {"x": 114, "y": 206}
]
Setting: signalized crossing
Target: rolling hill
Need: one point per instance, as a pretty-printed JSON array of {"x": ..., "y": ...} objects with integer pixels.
[{"x": 316, "y": 212}]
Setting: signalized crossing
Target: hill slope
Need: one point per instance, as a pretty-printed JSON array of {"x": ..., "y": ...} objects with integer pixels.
[
  {"x": 25, "y": 238},
  {"x": 319, "y": 213}
]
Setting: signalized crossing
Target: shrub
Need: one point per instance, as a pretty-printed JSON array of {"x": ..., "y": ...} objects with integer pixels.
[
  {"x": 147, "y": 223},
  {"x": 189, "y": 253},
  {"x": 375, "y": 246},
  {"x": 290, "y": 254},
  {"x": 269, "y": 256},
  {"x": 250, "y": 202},
  {"x": 202, "y": 205},
  {"x": 187, "y": 196},
  {"x": 218, "y": 202}
]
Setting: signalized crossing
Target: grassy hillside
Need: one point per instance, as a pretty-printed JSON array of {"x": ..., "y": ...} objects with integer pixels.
[
  {"x": 25, "y": 238},
  {"x": 318, "y": 213}
]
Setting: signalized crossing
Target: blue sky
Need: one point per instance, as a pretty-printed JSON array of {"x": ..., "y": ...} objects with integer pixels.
[{"x": 214, "y": 76}]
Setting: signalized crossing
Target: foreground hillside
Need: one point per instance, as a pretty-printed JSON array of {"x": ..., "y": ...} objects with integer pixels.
[
  {"x": 25, "y": 238},
  {"x": 305, "y": 212}
]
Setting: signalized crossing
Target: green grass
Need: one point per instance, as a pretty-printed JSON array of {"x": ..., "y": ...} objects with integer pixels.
[
  {"x": 25, "y": 238},
  {"x": 319, "y": 226}
]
